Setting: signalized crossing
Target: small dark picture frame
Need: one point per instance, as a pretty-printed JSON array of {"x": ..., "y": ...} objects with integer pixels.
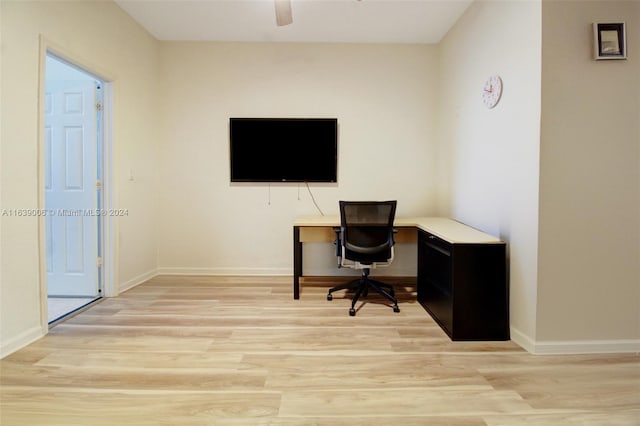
[{"x": 609, "y": 41}]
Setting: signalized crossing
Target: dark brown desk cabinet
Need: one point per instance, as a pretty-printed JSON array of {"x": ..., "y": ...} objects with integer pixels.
[{"x": 464, "y": 287}]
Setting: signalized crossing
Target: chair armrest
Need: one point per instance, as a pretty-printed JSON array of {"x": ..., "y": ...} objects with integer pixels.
[{"x": 338, "y": 243}]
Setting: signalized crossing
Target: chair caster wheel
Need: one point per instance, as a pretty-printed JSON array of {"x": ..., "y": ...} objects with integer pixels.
[
  {"x": 329, "y": 296},
  {"x": 396, "y": 309},
  {"x": 352, "y": 312}
]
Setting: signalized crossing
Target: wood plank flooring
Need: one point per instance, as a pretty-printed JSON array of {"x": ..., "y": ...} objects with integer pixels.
[{"x": 241, "y": 351}]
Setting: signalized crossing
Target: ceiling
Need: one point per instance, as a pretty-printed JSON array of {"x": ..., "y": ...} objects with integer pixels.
[{"x": 336, "y": 21}]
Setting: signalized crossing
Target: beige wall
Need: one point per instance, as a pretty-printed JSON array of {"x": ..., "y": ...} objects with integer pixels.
[
  {"x": 100, "y": 34},
  {"x": 589, "y": 264},
  {"x": 488, "y": 161},
  {"x": 566, "y": 129},
  {"x": 385, "y": 101}
]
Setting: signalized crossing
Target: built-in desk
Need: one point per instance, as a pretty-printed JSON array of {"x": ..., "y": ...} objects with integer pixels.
[{"x": 461, "y": 272}]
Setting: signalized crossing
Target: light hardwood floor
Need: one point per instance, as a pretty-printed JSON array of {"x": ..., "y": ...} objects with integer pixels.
[{"x": 241, "y": 351}]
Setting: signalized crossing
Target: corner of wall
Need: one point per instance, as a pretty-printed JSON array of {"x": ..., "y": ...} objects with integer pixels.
[{"x": 15, "y": 343}]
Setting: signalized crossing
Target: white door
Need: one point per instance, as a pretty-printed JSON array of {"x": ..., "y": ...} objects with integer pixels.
[{"x": 70, "y": 185}]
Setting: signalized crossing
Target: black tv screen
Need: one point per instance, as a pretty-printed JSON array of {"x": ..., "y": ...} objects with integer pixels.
[{"x": 283, "y": 149}]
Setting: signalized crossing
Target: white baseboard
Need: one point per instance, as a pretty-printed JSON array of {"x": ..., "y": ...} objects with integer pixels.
[
  {"x": 310, "y": 272},
  {"x": 587, "y": 347},
  {"x": 20, "y": 341},
  {"x": 129, "y": 284},
  {"x": 574, "y": 347},
  {"x": 522, "y": 340},
  {"x": 343, "y": 272},
  {"x": 226, "y": 271}
]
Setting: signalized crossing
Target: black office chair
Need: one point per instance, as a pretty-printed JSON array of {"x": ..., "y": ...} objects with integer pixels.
[{"x": 364, "y": 241}]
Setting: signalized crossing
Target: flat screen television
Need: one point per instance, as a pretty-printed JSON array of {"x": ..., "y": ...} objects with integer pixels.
[{"x": 283, "y": 149}]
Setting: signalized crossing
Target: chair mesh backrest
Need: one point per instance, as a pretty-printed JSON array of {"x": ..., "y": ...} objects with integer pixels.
[
  {"x": 367, "y": 213},
  {"x": 367, "y": 223}
]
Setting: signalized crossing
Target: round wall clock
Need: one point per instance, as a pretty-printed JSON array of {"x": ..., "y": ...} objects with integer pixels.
[{"x": 492, "y": 91}]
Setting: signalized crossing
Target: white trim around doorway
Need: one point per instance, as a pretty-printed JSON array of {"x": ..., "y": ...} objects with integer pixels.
[{"x": 109, "y": 275}]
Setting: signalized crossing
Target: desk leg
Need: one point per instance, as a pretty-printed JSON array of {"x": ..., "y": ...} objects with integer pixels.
[{"x": 297, "y": 262}]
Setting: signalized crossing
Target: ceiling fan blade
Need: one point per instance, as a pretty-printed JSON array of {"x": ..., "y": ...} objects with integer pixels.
[{"x": 283, "y": 12}]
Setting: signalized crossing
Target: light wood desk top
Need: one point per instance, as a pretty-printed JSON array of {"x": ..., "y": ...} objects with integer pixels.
[{"x": 445, "y": 228}]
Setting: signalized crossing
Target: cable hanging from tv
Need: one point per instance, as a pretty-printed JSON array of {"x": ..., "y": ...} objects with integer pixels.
[{"x": 313, "y": 199}]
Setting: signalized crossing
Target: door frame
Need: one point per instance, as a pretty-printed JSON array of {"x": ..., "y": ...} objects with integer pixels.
[{"x": 108, "y": 225}]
